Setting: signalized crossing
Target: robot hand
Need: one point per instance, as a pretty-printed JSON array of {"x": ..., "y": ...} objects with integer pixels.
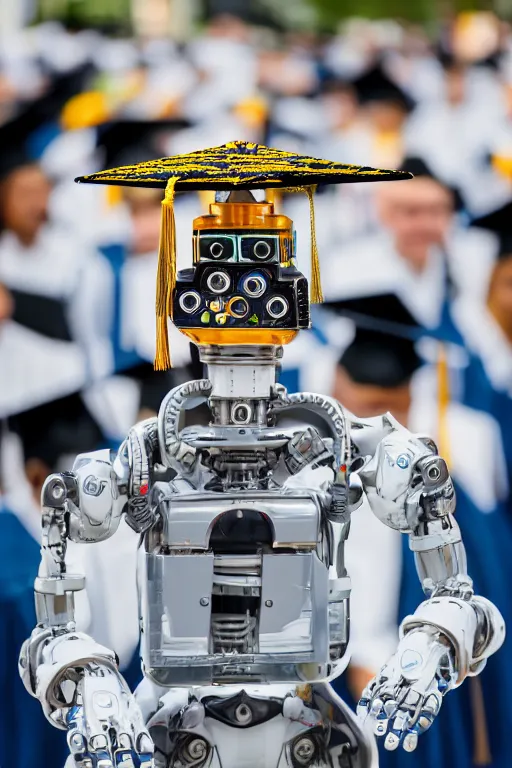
[
  {"x": 406, "y": 695},
  {"x": 105, "y": 725}
]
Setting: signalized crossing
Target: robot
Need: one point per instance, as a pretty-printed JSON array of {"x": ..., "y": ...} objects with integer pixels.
[{"x": 243, "y": 523}]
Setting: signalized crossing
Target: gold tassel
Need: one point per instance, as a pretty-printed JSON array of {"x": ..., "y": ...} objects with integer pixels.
[
  {"x": 316, "y": 287},
  {"x": 443, "y": 396},
  {"x": 166, "y": 277}
]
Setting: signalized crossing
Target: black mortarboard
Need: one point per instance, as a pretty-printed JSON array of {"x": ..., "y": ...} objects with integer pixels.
[
  {"x": 382, "y": 313},
  {"x": 131, "y": 141},
  {"x": 237, "y": 165},
  {"x": 380, "y": 359},
  {"x": 376, "y": 85},
  {"x": 500, "y": 223},
  {"x": 15, "y": 134},
  {"x": 383, "y": 349},
  {"x": 56, "y": 429},
  {"x": 418, "y": 167}
]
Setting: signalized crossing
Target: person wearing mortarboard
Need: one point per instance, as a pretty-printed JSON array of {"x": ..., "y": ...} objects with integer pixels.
[
  {"x": 486, "y": 327},
  {"x": 381, "y": 371},
  {"x": 373, "y": 136},
  {"x": 133, "y": 257},
  {"x": 458, "y": 131},
  {"x": 61, "y": 291},
  {"x": 42, "y": 440},
  {"x": 420, "y": 254}
]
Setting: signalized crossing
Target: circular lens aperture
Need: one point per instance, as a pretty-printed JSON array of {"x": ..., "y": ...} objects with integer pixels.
[
  {"x": 218, "y": 282},
  {"x": 254, "y": 285},
  {"x": 262, "y": 249},
  {"x": 237, "y": 307},
  {"x": 216, "y": 250},
  {"x": 190, "y": 301},
  {"x": 277, "y": 307}
]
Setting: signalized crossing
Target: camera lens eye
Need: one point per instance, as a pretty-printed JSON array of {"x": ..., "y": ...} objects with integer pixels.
[
  {"x": 254, "y": 285},
  {"x": 262, "y": 249},
  {"x": 216, "y": 250},
  {"x": 218, "y": 282},
  {"x": 277, "y": 307},
  {"x": 190, "y": 301},
  {"x": 237, "y": 307}
]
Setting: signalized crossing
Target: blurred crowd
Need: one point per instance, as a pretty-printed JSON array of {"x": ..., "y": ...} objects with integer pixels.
[{"x": 417, "y": 279}]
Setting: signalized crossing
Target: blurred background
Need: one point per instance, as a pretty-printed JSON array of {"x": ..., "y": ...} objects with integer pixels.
[{"x": 417, "y": 277}]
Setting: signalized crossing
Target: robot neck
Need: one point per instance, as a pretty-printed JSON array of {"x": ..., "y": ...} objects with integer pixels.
[{"x": 242, "y": 380}]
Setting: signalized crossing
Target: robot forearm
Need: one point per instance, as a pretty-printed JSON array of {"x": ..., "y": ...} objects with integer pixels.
[{"x": 453, "y": 632}]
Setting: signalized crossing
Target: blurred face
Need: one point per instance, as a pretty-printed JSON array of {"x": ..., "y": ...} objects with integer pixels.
[
  {"x": 341, "y": 108},
  {"x": 24, "y": 202},
  {"x": 6, "y": 304},
  {"x": 418, "y": 213},
  {"x": 386, "y": 116},
  {"x": 499, "y": 298},
  {"x": 365, "y": 400},
  {"x": 36, "y": 471},
  {"x": 145, "y": 211}
]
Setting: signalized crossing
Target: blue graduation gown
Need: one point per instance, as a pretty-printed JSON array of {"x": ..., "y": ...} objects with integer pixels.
[
  {"x": 27, "y": 740},
  {"x": 450, "y": 741}
]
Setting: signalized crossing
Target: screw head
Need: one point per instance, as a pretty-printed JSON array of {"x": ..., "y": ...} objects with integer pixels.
[
  {"x": 204, "y": 601},
  {"x": 57, "y": 492},
  {"x": 269, "y": 603}
]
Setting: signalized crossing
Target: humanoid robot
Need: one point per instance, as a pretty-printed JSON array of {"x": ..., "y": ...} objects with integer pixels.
[{"x": 244, "y": 595}]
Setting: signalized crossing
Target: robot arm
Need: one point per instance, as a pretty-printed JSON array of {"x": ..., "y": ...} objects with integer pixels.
[
  {"x": 453, "y": 632},
  {"x": 76, "y": 679}
]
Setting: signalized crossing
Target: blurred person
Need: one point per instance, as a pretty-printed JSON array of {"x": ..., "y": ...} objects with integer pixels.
[
  {"x": 486, "y": 327},
  {"x": 377, "y": 372},
  {"x": 370, "y": 113},
  {"x": 39, "y": 259},
  {"x": 421, "y": 253},
  {"x": 456, "y": 133},
  {"x": 38, "y": 443}
]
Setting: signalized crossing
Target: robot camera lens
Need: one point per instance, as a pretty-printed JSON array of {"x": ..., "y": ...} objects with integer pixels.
[
  {"x": 216, "y": 250},
  {"x": 218, "y": 282},
  {"x": 262, "y": 249},
  {"x": 237, "y": 307},
  {"x": 190, "y": 301},
  {"x": 277, "y": 307},
  {"x": 254, "y": 285}
]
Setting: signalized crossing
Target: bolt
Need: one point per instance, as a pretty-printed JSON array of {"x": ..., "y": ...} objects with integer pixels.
[
  {"x": 269, "y": 603},
  {"x": 204, "y": 601},
  {"x": 57, "y": 492}
]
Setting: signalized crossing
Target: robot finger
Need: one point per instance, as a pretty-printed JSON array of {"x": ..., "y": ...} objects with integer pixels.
[
  {"x": 382, "y": 721},
  {"x": 410, "y": 740},
  {"x": 398, "y": 731}
]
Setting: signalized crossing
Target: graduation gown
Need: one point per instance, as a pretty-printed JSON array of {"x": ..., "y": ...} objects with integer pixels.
[
  {"x": 26, "y": 738},
  {"x": 476, "y": 451}
]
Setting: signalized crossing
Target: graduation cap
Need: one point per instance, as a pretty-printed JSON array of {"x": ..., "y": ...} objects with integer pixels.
[
  {"x": 133, "y": 141},
  {"x": 499, "y": 222},
  {"x": 420, "y": 169},
  {"x": 375, "y": 85},
  {"x": 237, "y": 165},
  {"x": 380, "y": 359},
  {"x": 383, "y": 351},
  {"x": 55, "y": 429},
  {"x": 17, "y": 135}
]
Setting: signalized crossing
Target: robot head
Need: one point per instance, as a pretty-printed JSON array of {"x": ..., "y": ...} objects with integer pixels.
[{"x": 243, "y": 287}]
